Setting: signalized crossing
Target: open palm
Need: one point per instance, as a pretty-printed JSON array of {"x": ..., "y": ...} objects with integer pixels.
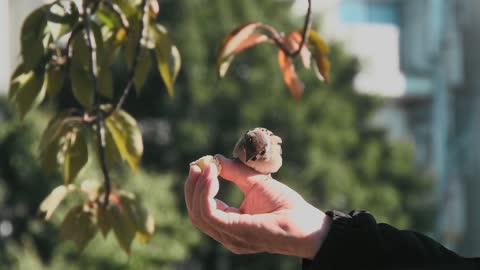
[{"x": 272, "y": 217}]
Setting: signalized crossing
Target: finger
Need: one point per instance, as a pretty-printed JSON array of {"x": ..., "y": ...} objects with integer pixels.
[
  {"x": 205, "y": 204},
  {"x": 192, "y": 178},
  {"x": 237, "y": 172},
  {"x": 224, "y": 207},
  {"x": 216, "y": 218},
  {"x": 194, "y": 183},
  {"x": 208, "y": 187}
]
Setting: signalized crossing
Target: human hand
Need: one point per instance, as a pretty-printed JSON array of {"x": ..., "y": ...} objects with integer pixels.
[{"x": 272, "y": 217}]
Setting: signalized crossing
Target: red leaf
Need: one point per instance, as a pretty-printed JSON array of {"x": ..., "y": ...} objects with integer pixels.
[
  {"x": 235, "y": 41},
  {"x": 289, "y": 75},
  {"x": 250, "y": 41},
  {"x": 292, "y": 41}
]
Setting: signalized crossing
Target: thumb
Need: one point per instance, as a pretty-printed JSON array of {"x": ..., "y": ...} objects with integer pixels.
[{"x": 237, "y": 172}]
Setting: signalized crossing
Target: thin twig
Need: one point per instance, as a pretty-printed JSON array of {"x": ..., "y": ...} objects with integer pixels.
[
  {"x": 306, "y": 28},
  {"x": 92, "y": 62},
  {"x": 136, "y": 56},
  {"x": 118, "y": 12},
  {"x": 277, "y": 37}
]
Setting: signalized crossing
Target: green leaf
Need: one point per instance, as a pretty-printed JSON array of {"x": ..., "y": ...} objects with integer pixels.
[
  {"x": 127, "y": 6},
  {"x": 143, "y": 220},
  {"x": 123, "y": 226},
  {"x": 55, "y": 128},
  {"x": 168, "y": 58},
  {"x": 18, "y": 78},
  {"x": 144, "y": 62},
  {"x": 82, "y": 86},
  {"x": 75, "y": 154},
  {"x": 104, "y": 220},
  {"x": 80, "y": 74},
  {"x": 82, "y": 83},
  {"x": 106, "y": 18},
  {"x": 109, "y": 18},
  {"x": 62, "y": 12},
  {"x": 49, "y": 143},
  {"x": 26, "y": 90},
  {"x": 144, "y": 65},
  {"x": 57, "y": 30},
  {"x": 81, "y": 52},
  {"x": 127, "y": 137},
  {"x": 112, "y": 154},
  {"x": 91, "y": 188},
  {"x": 63, "y": 143},
  {"x": 54, "y": 80},
  {"x": 105, "y": 82},
  {"x": 32, "y": 33},
  {"x": 78, "y": 226},
  {"x": 320, "y": 51},
  {"x": 53, "y": 200}
]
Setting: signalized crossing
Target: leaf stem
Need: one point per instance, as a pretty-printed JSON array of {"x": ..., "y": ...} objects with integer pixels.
[{"x": 92, "y": 63}]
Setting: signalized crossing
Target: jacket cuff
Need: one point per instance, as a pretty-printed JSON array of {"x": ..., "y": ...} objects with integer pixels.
[{"x": 357, "y": 228}]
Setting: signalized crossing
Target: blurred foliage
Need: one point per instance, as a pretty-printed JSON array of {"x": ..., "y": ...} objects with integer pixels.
[
  {"x": 333, "y": 156},
  {"x": 79, "y": 40}
]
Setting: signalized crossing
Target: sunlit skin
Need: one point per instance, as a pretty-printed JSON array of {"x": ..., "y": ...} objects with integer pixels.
[{"x": 272, "y": 217}]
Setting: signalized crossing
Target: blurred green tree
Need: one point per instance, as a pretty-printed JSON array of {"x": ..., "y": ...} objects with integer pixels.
[{"x": 332, "y": 154}]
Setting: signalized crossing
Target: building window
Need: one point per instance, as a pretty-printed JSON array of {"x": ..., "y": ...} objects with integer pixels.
[{"x": 365, "y": 11}]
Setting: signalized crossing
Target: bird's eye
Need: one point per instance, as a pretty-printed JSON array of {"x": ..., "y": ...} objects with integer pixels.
[{"x": 263, "y": 152}]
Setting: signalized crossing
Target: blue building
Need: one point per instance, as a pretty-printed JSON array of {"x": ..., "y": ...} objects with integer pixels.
[{"x": 440, "y": 61}]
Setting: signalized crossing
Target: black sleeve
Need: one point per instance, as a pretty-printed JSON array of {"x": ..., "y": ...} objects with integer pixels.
[{"x": 356, "y": 241}]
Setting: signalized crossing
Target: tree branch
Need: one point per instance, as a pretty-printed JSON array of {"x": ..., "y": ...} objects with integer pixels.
[
  {"x": 136, "y": 56},
  {"x": 92, "y": 62}
]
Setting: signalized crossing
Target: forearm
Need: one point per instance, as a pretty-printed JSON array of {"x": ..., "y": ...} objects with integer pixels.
[{"x": 357, "y": 240}]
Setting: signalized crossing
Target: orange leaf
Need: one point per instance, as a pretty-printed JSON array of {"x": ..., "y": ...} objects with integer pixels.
[
  {"x": 250, "y": 41},
  {"x": 238, "y": 38},
  {"x": 292, "y": 41},
  {"x": 320, "y": 48},
  {"x": 289, "y": 75}
]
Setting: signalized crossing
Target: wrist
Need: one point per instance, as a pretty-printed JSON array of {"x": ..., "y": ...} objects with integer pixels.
[{"x": 313, "y": 241}]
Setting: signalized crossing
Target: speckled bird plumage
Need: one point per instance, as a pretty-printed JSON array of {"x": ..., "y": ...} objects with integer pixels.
[{"x": 260, "y": 150}]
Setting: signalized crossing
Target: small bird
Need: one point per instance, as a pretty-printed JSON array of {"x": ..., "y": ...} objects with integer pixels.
[{"x": 260, "y": 150}]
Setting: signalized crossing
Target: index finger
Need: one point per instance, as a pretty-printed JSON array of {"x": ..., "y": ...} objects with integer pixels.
[
  {"x": 237, "y": 172},
  {"x": 190, "y": 185}
]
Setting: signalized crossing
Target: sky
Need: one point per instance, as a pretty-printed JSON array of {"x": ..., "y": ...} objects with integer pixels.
[{"x": 376, "y": 45}]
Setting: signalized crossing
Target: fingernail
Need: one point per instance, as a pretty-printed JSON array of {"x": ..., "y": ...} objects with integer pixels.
[{"x": 195, "y": 168}]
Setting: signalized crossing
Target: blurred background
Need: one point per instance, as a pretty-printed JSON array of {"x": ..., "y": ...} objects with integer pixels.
[{"x": 395, "y": 132}]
